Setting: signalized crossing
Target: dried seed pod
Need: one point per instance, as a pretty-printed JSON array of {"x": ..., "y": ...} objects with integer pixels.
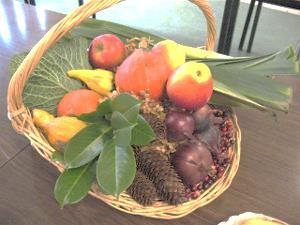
[
  {"x": 151, "y": 106},
  {"x": 142, "y": 190}
]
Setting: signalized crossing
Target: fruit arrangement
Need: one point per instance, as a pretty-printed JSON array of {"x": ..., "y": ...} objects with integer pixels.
[
  {"x": 140, "y": 124},
  {"x": 150, "y": 119}
]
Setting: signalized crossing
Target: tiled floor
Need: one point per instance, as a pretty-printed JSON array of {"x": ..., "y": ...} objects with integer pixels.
[{"x": 276, "y": 29}]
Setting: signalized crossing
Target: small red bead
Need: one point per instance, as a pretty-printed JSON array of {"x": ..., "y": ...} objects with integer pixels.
[{"x": 195, "y": 195}]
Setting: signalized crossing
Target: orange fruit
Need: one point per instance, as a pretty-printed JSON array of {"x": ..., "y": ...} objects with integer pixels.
[{"x": 78, "y": 102}]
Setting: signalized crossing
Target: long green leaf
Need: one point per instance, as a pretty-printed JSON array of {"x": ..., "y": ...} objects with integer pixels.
[
  {"x": 248, "y": 81},
  {"x": 86, "y": 145},
  {"x": 116, "y": 168},
  {"x": 74, "y": 184}
]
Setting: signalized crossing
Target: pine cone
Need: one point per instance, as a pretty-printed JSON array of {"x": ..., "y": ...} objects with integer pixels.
[
  {"x": 166, "y": 103},
  {"x": 142, "y": 189},
  {"x": 160, "y": 171},
  {"x": 157, "y": 125}
]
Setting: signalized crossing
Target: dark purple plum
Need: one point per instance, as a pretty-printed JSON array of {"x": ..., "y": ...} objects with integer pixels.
[
  {"x": 212, "y": 137},
  {"x": 192, "y": 161},
  {"x": 201, "y": 117},
  {"x": 180, "y": 125}
]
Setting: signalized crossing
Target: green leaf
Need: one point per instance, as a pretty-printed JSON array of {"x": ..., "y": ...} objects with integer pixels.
[
  {"x": 132, "y": 113},
  {"x": 142, "y": 133},
  {"x": 92, "y": 117},
  {"x": 123, "y": 135},
  {"x": 91, "y": 28},
  {"x": 15, "y": 62},
  {"x": 118, "y": 121},
  {"x": 116, "y": 168},
  {"x": 123, "y": 102},
  {"x": 103, "y": 109},
  {"x": 57, "y": 157},
  {"x": 86, "y": 145},
  {"x": 48, "y": 82},
  {"x": 122, "y": 128},
  {"x": 74, "y": 184}
]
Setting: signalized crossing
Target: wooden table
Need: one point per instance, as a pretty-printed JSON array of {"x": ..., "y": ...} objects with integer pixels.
[{"x": 268, "y": 180}]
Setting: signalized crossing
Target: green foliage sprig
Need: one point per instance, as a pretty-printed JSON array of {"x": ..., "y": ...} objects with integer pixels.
[{"x": 103, "y": 150}]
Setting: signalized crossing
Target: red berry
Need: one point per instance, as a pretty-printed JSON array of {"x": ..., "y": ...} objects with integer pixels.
[{"x": 195, "y": 195}]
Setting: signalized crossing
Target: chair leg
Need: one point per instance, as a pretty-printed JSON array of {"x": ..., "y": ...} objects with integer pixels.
[
  {"x": 254, "y": 26},
  {"x": 228, "y": 24},
  {"x": 249, "y": 15},
  {"x": 298, "y": 51},
  {"x": 31, "y": 2}
]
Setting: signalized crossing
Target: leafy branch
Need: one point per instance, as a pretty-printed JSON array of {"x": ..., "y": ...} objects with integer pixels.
[{"x": 106, "y": 143}]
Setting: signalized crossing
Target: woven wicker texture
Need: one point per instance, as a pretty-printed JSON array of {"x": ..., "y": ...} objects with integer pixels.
[{"x": 22, "y": 120}]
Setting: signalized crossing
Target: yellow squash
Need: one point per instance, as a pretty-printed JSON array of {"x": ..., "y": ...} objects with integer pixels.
[
  {"x": 59, "y": 130},
  {"x": 98, "y": 80}
]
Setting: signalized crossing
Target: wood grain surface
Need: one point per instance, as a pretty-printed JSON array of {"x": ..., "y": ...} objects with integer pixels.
[{"x": 268, "y": 180}]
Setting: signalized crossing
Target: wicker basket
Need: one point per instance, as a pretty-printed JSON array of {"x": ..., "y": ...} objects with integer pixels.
[{"x": 22, "y": 120}]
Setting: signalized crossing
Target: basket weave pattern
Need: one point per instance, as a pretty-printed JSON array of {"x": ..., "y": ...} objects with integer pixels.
[{"x": 22, "y": 121}]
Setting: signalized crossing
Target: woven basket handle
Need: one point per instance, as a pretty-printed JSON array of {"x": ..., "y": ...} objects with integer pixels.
[{"x": 16, "y": 86}]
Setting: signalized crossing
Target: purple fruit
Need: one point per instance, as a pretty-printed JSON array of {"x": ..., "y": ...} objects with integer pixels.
[
  {"x": 179, "y": 125},
  {"x": 192, "y": 161},
  {"x": 201, "y": 117},
  {"x": 212, "y": 138}
]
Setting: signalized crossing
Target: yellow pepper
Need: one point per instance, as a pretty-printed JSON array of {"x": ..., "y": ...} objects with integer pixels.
[
  {"x": 99, "y": 80},
  {"x": 59, "y": 130}
]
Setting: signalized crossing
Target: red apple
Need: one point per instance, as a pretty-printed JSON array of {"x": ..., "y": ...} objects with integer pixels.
[
  {"x": 190, "y": 86},
  {"x": 106, "y": 51}
]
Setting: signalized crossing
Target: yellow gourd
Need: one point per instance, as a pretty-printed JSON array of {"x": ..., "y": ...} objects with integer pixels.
[
  {"x": 98, "y": 80},
  {"x": 59, "y": 130}
]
